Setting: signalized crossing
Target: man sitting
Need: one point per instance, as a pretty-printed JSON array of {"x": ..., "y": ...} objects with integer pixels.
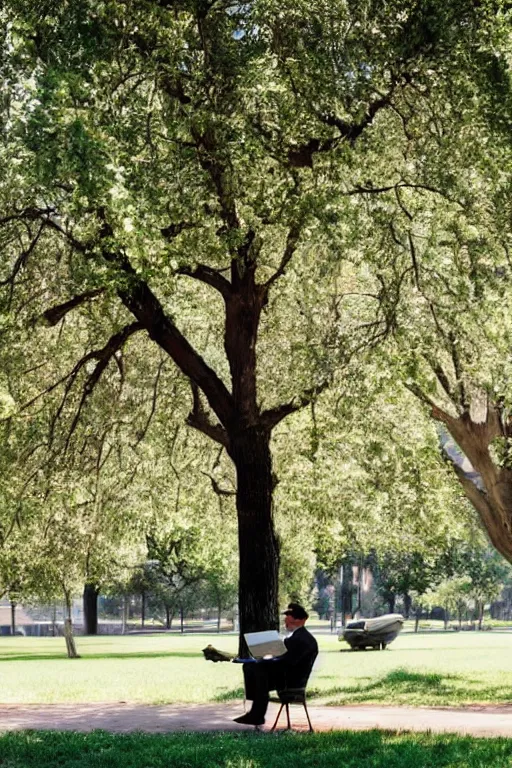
[{"x": 291, "y": 670}]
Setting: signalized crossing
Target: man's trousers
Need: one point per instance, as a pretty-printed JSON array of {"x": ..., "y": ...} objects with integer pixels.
[{"x": 260, "y": 678}]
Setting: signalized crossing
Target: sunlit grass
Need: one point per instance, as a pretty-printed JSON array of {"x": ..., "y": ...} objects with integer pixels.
[
  {"x": 228, "y": 750},
  {"x": 423, "y": 669}
]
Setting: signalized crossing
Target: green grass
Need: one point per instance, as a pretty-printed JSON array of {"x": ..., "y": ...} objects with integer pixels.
[
  {"x": 443, "y": 669},
  {"x": 372, "y": 749}
]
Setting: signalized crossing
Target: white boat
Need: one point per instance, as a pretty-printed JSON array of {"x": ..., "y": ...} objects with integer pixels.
[{"x": 372, "y": 633}]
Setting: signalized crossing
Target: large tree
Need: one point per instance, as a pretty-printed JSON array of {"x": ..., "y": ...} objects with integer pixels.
[
  {"x": 171, "y": 141},
  {"x": 446, "y": 261}
]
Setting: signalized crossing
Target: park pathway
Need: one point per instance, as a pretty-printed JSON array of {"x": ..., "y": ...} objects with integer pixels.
[{"x": 123, "y": 717}]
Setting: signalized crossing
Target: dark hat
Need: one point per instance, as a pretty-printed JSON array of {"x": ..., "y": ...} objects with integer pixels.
[{"x": 296, "y": 611}]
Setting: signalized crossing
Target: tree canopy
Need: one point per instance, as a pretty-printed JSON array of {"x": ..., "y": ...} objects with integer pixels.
[{"x": 231, "y": 188}]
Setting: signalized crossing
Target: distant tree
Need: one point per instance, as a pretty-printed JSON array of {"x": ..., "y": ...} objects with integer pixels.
[
  {"x": 486, "y": 570},
  {"x": 454, "y": 596},
  {"x": 409, "y": 575},
  {"x": 177, "y": 564}
]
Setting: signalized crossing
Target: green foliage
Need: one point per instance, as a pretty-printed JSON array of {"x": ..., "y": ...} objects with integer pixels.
[{"x": 339, "y": 153}]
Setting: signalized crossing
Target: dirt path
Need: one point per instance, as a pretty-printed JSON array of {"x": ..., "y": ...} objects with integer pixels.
[{"x": 123, "y": 717}]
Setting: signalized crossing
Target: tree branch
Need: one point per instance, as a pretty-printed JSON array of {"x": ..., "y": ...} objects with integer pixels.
[
  {"x": 441, "y": 376},
  {"x": 436, "y": 412},
  {"x": 142, "y": 432},
  {"x": 271, "y": 417},
  {"x": 22, "y": 259},
  {"x": 144, "y": 305},
  {"x": 292, "y": 240},
  {"x": 198, "y": 419},
  {"x": 103, "y": 356},
  {"x": 488, "y": 517},
  {"x": 216, "y": 487},
  {"x": 457, "y": 366},
  {"x": 173, "y": 230},
  {"x": 219, "y": 174},
  {"x": 210, "y": 276},
  {"x": 302, "y": 157},
  {"x": 146, "y": 308},
  {"x": 27, "y": 214},
  {"x": 54, "y": 315},
  {"x": 370, "y": 190}
]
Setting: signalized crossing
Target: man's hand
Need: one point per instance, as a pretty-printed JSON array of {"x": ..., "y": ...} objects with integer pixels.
[{"x": 244, "y": 661}]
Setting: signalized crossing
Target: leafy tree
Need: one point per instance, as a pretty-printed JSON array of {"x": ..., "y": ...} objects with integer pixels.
[
  {"x": 407, "y": 574},
  {"x": 176, "y": 565},
  {"x": 453, "y": 596},
  {"x": 487, "y": 571},
  {"x": 445, "y": 260},
  {"x": 220, "y": 584},
  {"x": 202, "y": 142},
  {"x": 144, "y": 583}
]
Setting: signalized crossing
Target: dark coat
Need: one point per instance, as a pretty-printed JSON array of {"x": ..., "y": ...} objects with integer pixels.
[
  {"x": 297, "y": 662},
  {"x": 291, "y": 670}
]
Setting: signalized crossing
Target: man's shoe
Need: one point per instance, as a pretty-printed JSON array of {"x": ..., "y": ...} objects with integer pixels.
[{"x": 249, "y": 719}]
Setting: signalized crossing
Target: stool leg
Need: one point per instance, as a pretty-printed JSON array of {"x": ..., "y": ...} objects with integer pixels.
[
  {"x": 307, "y": 715},
  {"x": 277, "y": 718},
  {"x": 288, "y": 717}
]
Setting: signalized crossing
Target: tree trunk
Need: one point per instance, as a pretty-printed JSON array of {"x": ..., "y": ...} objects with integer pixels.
[
  {"x": 417, "y": 618},
  {"x": 480, "y": 605},
  {"x": 13, "y": 618},
  {"x": 391, "y": 603},
  {"x": 182, "y": 617},
  {"x": 68, "y": 629},
  {"x": 143, "y": 609},
  {"x": 446, "y": 618},
  {"x": 219, "y": 615},
  {"x": 360, "y": 576},
  {"x": 125, "y": 614},
  {"x": 70, "y": 640},
  {"x": 491, "y": 492},
  {"x": 168, "y": 617},
  {"x": 90, "y": 603},
  {"x": 54, "y": 620},
  {"x": 258, "y": 546},
  {"x": 242, "y": 428},
  {"x": 407, "y": 605}
]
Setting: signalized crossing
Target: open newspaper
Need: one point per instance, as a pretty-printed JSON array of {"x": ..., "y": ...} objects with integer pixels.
[{"x": 267, "y": 643}]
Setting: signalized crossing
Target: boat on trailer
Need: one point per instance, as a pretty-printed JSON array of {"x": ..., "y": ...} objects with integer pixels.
[{"x": 378, "y": 633}]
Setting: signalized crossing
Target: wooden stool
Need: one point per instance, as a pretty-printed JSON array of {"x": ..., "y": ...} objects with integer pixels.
[{"x": 291, "y": 696}]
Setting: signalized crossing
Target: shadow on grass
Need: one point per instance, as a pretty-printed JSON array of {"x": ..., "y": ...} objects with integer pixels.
[
  {"x": 399, "y": 649},
  {"x": 37, "y": 749},
  {"x": 234, "y": 693},
  {"x": 94, "y": 656},
  {"x": 403, "y": 687}
]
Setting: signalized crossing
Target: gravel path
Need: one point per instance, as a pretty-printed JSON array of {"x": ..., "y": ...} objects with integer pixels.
[{"x": 122, "y": 717}]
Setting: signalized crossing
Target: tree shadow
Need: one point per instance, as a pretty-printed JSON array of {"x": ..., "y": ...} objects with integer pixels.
[
  {"x": 380, "y": 749},
  {"x": 95, "y": 656},
  {"x": 402, "y": 686},
  {"x": 234, "y": 693}
]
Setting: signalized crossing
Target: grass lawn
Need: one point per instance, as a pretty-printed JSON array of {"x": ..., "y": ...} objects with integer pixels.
[
  {"x": 35, "y": 749},
  {"x": 424, "y": 669}
]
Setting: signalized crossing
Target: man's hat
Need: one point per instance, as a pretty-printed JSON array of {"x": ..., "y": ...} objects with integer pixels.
[{"x": 296, "y": 611}]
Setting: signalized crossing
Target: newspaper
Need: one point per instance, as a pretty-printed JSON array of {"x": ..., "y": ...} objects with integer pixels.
[{"x": 267, "y": 643}]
